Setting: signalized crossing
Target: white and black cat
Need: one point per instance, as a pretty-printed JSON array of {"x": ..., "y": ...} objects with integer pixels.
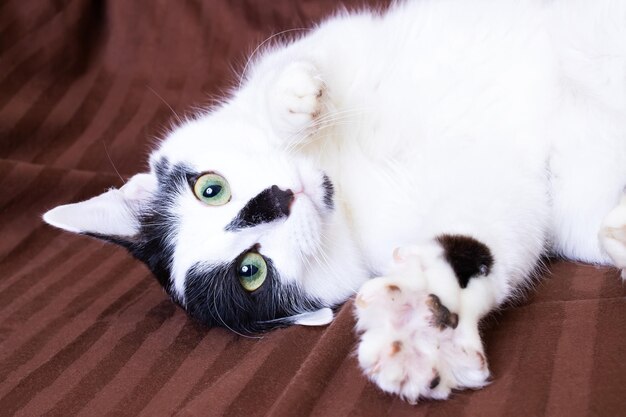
[{"x": 476, "y": 136}]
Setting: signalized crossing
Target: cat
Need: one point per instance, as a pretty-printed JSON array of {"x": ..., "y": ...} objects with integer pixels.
[{"x": 442, "y": 146}]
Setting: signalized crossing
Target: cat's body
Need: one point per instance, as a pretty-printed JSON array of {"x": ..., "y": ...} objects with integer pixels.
[{"x": 479, "y": 135}]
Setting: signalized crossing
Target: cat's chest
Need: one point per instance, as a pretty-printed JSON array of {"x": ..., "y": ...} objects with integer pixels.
[{"x": 382, "y": 203}]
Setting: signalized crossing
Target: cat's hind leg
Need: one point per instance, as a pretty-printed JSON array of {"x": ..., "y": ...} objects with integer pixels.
[
  {"x": 587, "y": 163},
  {"x": 613, "y": 236},
  {"x": 419, "y": 325},
  {"x": 587, "y": 178}
]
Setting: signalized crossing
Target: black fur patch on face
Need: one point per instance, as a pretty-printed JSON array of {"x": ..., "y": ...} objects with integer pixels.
[
  {"x": 213, "y": 293},
  {"x": 467, "y": 256},
  {"x": 215, "y": 297},
  {"x": 269, "y": 205},
  {"x": 329, "y": 192},
  {"x": 157, "y": 224}
]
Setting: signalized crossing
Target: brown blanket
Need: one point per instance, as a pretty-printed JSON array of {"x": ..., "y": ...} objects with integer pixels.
[{"x": 85, "y": 87}]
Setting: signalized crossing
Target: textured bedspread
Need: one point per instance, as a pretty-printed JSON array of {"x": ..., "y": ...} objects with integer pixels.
[{"x": 85, "y": 330}]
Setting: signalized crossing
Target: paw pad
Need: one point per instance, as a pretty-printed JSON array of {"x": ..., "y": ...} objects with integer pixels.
[{"x": 442, "y": 317}]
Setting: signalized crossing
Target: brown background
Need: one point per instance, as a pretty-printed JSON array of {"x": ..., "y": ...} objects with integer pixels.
[{"x": 85, "y": 330}]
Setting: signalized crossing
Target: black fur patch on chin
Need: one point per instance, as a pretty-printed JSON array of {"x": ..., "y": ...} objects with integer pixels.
[
  {"x": 467, "y": 256},
  {"x": 214, "y": 296}
]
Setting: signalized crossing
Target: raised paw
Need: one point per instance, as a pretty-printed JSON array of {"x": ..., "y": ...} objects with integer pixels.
[
  {"x": 409, "y": 344},
  {"x": 296, "y": 98}
]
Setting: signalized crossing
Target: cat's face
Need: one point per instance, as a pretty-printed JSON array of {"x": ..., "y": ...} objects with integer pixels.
[{"x": 239, "y": 232}]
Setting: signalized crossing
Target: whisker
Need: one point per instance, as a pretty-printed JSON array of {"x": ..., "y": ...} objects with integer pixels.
[
  {"x": 316, "y": 126},
  {"x": 245, "y": 68},
  {"x": 166, "y": 103},
  {"x": 106, "y": 151},
  {"x": 329, "y": 117},
  {"x": 226, "y": 325}
]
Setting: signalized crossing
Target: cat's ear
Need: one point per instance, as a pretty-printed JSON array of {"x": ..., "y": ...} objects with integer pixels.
[{"x": 112, "y": 215}]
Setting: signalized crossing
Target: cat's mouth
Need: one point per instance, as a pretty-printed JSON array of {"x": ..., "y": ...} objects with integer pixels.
[{"x": 320, "y": 195}]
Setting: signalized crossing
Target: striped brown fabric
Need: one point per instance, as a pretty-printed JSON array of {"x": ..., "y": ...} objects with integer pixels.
[{"x": 85, "y": 88}]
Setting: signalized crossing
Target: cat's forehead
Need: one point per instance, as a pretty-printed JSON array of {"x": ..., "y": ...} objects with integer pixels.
[{"x": 212, "y": 139}]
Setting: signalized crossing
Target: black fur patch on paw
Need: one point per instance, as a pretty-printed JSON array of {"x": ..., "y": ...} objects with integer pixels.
[
  {"x": 442, "y": 317},
  {"x": 467, "y": 256}
]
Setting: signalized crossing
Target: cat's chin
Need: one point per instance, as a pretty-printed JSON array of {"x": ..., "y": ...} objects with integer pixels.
[
  {"x": 311, "y": 201},
  {"x": 305, "y": 223},
  {"x": 315, "y": 186}
]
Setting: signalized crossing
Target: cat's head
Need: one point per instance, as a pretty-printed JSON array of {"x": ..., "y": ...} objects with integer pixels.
[{"x": 239, "y": 232}]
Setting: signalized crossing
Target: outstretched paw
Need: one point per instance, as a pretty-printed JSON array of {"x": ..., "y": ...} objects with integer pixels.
[
  {"x": 409, "y": 342},
  {"x": 296, "y": 97}
]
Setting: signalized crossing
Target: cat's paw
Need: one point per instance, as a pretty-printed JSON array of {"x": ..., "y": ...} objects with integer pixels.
[
  {"x": 410, "y": 345},
  {"x": 613, "y": 236},
  {"x": 296, "y": 98}
]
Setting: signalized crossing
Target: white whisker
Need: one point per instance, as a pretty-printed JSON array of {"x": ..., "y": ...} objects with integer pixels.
[{"x": 245, "y": 68}]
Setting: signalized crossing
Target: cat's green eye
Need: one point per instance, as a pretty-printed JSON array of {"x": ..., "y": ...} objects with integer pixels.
[
  {"x": 252, "y": 271},
  {"x": 212, "y": 189}
]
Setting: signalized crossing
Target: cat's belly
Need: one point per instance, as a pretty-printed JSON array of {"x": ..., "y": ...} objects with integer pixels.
[{"x": 452, "y": 186}]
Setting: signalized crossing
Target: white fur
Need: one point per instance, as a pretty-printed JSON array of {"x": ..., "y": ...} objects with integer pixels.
[{"x": 502, "y": 120}]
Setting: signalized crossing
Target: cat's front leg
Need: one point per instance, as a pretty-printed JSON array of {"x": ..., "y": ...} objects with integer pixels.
[
  {"x": 419, "y": 325},
  {"x": 296, "y": 99}
]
